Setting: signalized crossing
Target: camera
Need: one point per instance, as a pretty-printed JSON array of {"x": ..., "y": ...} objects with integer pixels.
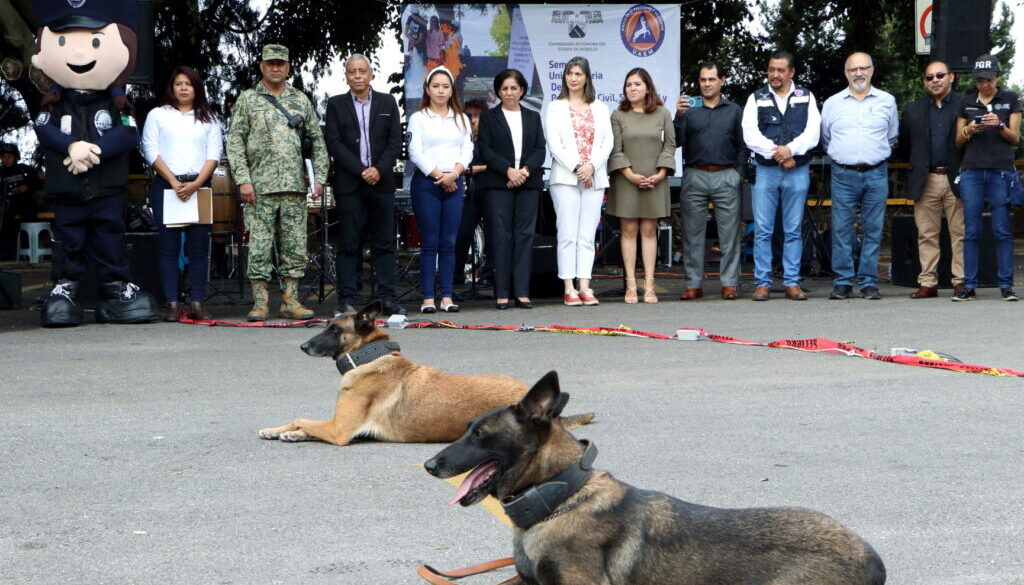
[{"x": 294, "y": 121}]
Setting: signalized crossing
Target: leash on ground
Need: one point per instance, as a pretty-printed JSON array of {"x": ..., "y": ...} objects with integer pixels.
[
  {"x": 432, "y": 575},
  {"x": 926, "y": 359},
  {"x": 262, "y": 324}
]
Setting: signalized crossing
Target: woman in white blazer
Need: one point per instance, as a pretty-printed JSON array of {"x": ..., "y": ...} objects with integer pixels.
[{"x": 579, "y": 133}]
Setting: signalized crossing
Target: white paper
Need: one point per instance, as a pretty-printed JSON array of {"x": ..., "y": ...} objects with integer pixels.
[{"x": 177, "y": 212}]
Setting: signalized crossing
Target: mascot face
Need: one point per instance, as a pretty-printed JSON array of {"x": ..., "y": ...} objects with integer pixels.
[{"x": 80, "y": 58}]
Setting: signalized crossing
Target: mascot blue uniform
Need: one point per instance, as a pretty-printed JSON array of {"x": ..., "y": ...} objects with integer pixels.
[{"x": 87, "y": 47}]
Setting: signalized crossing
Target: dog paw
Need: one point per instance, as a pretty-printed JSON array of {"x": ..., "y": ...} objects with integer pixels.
[
  {"x": 294, "y": 436},
  {"x": 268, "y": 434}
]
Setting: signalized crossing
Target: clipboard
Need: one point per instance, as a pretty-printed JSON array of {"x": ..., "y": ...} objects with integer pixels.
[{"x": 197, "y": 210}]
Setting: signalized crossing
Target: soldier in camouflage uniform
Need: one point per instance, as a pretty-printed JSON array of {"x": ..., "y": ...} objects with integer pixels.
[{"x": 265, "y": 155}]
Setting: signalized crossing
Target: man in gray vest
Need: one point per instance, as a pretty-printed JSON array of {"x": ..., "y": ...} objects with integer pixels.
[{"x": 781, "y": 124}]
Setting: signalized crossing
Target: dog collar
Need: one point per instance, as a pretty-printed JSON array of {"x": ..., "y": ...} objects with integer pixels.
[
  {"x": 366, "y": 354},
  {"x": 538, "y": 502}
]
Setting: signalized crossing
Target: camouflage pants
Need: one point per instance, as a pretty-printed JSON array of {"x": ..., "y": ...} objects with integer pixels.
[{"x": 284, "y": 213}]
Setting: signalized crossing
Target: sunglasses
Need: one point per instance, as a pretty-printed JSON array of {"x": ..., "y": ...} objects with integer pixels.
[{"x": 932, "y": 76}]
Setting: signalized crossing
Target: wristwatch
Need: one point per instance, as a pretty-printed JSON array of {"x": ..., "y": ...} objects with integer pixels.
[{"x": 1002, "y": 125}]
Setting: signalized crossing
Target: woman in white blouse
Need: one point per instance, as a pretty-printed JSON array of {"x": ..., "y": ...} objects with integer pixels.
[
  {"x": 182, "y": 142},
  {"x": 441, "y": 148},
  {"x": 579, "y": 134}
]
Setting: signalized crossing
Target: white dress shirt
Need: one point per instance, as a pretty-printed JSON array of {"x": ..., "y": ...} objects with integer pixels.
[
  {"x": 437, "y": 142},
  {"x": 184, "y": 143},
  {"x": 515, "y": 125},
  {"x": 859, "y": 131},
  {"x": 800, "y": 145}
]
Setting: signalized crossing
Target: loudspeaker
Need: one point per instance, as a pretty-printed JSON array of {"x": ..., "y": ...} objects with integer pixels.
[
  {"x": 544, "y": 281},
  {"x": 10, "y": 289},
  {"x": 611, "y": 252},
  {"x": 960, "y": 32},
  {"x": 144, "y": 45},
  {"x": 906, "y": 264}
]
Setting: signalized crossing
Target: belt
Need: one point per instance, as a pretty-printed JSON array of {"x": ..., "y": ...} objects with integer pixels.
[
  {"x": 712, "y": 168},
  {"x": 861, "y": 167},
  {"x": 186, "y": 178},
  {"x": 938, "y": 170}
]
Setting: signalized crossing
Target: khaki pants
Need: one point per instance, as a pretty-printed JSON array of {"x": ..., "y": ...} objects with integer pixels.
[{"x": 937, "y": 199}]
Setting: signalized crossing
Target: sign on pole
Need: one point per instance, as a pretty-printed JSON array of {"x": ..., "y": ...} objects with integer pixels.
[{"x": 923, "y": 26}]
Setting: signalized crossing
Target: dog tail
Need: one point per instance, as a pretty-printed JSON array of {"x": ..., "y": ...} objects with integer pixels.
[
  {"x": 875, "y": 568},
  {"x": 577, "y": 420}
]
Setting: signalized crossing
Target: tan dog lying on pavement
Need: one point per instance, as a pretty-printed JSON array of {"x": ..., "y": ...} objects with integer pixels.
[{"x": 386, "y": 397}]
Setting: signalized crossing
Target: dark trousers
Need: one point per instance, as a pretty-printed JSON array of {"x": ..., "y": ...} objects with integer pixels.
[
  {"x": 437, "y": 214},
  {"x": 512, "y": 217},
  {"x": 197, "y": 249},
  {"x": 374, "y": 212},
  {"x": 92, "y": 229}
]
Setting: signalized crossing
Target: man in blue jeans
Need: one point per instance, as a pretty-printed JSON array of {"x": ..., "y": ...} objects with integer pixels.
[
  {"x": 859, "y": 127},
  {"x": 781, "y": 125}
]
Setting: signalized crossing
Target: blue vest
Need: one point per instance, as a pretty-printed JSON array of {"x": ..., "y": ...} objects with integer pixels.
[{"x": 782, "y": 129}]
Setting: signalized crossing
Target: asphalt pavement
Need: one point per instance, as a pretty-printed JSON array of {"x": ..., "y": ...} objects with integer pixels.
[{"x": 129, "y": 454}]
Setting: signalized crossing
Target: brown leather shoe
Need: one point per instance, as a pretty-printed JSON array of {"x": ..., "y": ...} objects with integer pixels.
[
  {"x": 171, "y": 311},
  {"x": 795, "y": 293},
  {"x": 691, "y": 294},
  {"x": 925, "y": 292},
  {"x": 198, "y": 312},
  {"x": 761, "y": 293},
  {"x": 957, "y": 288},
  {"x": 729, "y": 293}
]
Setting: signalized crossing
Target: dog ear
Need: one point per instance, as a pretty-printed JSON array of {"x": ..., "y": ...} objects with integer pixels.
[
  {"x": 367, "y": 315},
  {"x": 544, "y": 401}
]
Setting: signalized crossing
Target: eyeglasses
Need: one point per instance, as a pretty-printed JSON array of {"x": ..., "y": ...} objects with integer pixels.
[
  {"x": 859, "y": 69},
  {"x": 939, "y": 76}
]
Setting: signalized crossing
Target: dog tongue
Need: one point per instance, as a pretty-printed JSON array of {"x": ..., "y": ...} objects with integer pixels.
[{"x": 475, "y": 478}]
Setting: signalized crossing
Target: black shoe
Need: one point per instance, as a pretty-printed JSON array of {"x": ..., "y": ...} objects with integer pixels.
[
  {"x": 428, "y": 309},
  {"x": 501, "y": 306},
  {"x": 391, "y": 307},
  {"x": 1008, "y": 294},
  {"x": 126, "y": 303},
  {"x": 841, "y": 292},
  {"x": 344, "y": 306},
  {"x": 965, "y": 294},
  {"x": 60, "y": 308},
  {"x": 870, "y": 293},
  {"x": 524, "y": 304},
  {"x": 452, "y": 308}
]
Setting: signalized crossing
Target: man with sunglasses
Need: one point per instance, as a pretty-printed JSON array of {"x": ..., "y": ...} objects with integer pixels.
[
  {"x": 928, "y": 143},
  {"x": 859, "y": 126}
]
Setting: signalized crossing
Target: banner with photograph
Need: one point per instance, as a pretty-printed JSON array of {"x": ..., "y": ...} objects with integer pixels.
[{"x": 476, "y": 41}]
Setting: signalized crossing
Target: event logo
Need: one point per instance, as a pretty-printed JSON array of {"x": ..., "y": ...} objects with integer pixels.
[
  {"x": 642, "y": 30},
  {"x": 576, "y": 21}
]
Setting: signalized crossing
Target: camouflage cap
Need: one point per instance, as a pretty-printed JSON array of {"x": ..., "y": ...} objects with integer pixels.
[{"x": 275, "y": 52}]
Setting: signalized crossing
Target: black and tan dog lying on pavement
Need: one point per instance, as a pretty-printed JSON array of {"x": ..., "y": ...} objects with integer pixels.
[
  {"x": 387, "y": 397},
  {"x": 575, "y": 525}
]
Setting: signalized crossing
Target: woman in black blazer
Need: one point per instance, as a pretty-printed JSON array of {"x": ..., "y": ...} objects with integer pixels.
[{"x": 511, "y": 144}]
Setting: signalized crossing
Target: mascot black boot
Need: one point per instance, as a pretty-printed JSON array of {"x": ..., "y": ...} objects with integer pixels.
[
  {"x": 125, "y": 303},
  {"x": 60, "y": 307}
]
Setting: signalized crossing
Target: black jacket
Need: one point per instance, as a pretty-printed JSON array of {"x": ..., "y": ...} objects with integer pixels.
[
  {"x": 915, "y": 144},
  {"x": 494, "y": 142},
  {"x": 343, "y": 136}
]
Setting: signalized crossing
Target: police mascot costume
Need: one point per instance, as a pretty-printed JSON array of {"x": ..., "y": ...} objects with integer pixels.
[{"x": 87, "y": 47}]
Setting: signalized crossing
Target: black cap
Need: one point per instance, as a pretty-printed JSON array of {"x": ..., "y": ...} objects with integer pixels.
[
  {"x": 8, "y": 148},
  {"x": 986, "y": 67},
  {"x": 58, "y": 15}
]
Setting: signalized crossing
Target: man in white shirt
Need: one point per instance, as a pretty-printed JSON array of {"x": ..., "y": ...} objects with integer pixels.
[{"x": 780, "y": 126}]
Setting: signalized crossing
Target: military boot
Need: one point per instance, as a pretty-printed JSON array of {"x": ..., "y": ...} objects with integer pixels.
[
  {"x": 260, "y": 301},
  {"x": 290, "y": 305}
]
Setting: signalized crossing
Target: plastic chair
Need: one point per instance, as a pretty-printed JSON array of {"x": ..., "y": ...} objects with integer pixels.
[{"x": 33, "y": 231}]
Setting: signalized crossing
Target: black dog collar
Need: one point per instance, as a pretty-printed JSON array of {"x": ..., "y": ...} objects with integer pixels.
[
  {"x": 366, "y": 354},
  {"x": 538, "y": 502}
]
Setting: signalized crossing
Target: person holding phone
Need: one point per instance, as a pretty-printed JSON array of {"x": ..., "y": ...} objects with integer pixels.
[
  {"x": 711, "y": 136},
  {"x": 988, "y": 130}
]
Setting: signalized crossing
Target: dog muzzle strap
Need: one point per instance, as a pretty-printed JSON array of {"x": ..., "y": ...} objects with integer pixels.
[
  {"x": 365, "y": 355},
  {"x": 538, "y": 502}
]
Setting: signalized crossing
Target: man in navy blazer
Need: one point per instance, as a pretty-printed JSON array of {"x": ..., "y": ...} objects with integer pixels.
[
  {"x": 927, "y": 142},
  {"x": 364, "y": 136}
]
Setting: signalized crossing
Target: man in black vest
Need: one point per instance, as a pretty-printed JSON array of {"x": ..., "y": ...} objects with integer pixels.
[
  {"x": 364, "y": 137},
  {"x": 86, "y": 132},
  {"x": 18, "y": 186},
  {"x": 781, "y": 124},
  {"x": 928, "y": 143}
]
